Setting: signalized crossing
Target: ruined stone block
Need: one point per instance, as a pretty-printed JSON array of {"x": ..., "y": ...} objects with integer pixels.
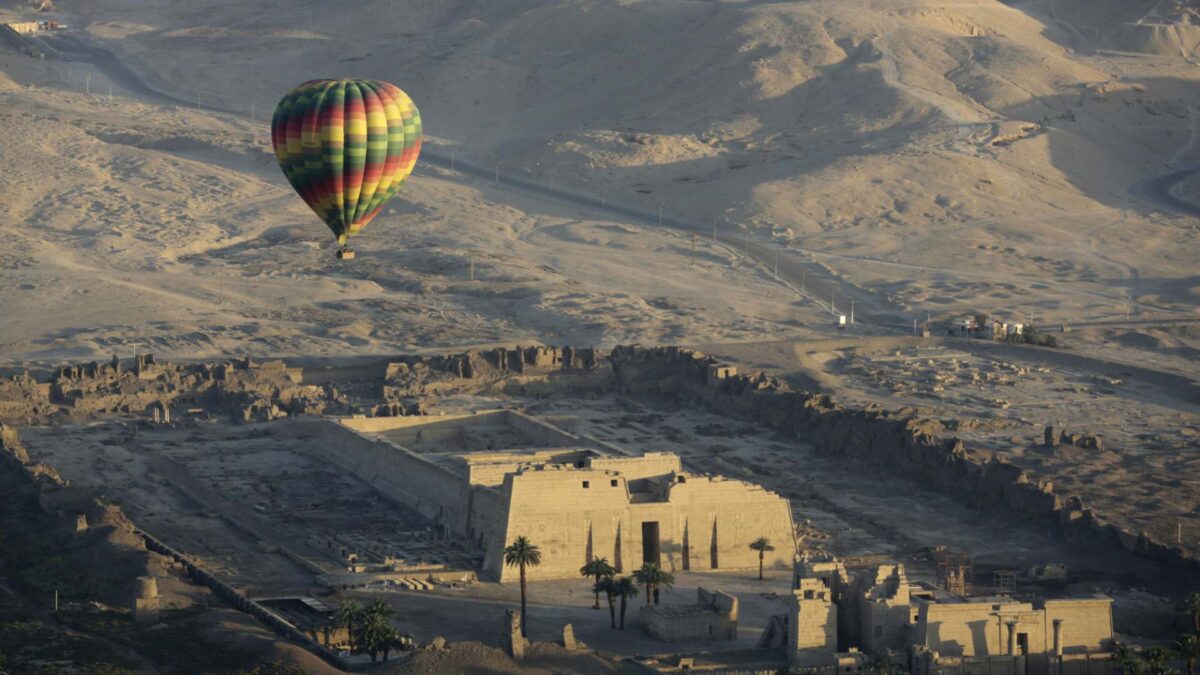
[
  {"x": 514, "y": 643},
  {"x": 146, "y": 600}
]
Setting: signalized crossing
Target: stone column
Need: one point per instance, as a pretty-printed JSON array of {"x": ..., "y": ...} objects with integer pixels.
[
  {"x": 146, "y": 601},
  {"x": 1012, "y": 637},
  {"x": 1058, "y": 637}
]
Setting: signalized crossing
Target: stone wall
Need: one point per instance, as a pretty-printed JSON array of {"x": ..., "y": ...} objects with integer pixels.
[
  {"x": 247, "y": 390},
  {"x": 1087, "y": 624},
  {"x": 240, "y": 601},
  {"x": 896, "y": 441},
  {"x": 397, "y": 472},
  {"x": 979, "y": 629},
  {"x": 713, "y": 617},
  {"x": 812, "y": 624},
  {"x": 419, "y": 376},
  {"x": 573, "y": 514}
]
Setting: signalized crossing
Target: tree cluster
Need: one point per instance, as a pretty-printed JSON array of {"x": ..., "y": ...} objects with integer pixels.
[
  {"x": 370, "y": 628},
  {"x": 1158, "y": 660}
]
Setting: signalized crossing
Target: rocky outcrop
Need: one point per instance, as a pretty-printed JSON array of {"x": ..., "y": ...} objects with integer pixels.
[
  {"x": 23, "y": 399},
  {"x": 416, "y": 376},
  {"x": 104, "y": 554},
  {"x": 244, "y": 389},
  {"x": 251, "y": 391},
  {"x": 896, "y": 440}
]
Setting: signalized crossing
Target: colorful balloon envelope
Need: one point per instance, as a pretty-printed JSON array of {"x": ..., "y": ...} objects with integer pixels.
[{"x": 346, "y": 146}]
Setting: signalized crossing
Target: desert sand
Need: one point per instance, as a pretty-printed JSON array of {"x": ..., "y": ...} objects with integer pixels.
[
  {"x": 729, "y": 174},
  {"x": 1031, "y": 161},
  {"x": 933, "y": 158}
]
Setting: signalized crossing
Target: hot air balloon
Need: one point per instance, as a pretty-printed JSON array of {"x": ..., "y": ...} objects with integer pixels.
[{"x": 346, "y": 146}]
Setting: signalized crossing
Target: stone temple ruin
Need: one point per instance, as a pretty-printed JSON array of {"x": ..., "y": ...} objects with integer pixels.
[
  {"x": 478, "y": 480},
  {"x": 491, "y": 477},
  {"x": 939, "y": 633},
  {"x": 713, "y": 617}
]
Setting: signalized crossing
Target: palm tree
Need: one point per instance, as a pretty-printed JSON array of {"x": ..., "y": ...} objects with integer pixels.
[
  {"x": 374, "y": 632},
  {"x": 1193, "y": 605},
  {"x": 597, "y": 569},
  {"x": 380, "y": 608},
  {"x": 762, "y": 545},
  {"x": 1158, "y": 661},
  {"x": 664, "y": 579},
  {"x": 654, "y": 578},
  {"x": 1128, "y": 659},
  {"x": 879, "y": 664},
  {"x": 521, "y": 554},
  {"x": 646, "y": 575},
  {"x": 391, "y": 642},
  {"x": 1188, "y": 647},
  {"x": 608, "y": 586},
  {"x": 372, "y": 629},
  {"x": 348, "y": 614},
  {"x": 625, "y": 588}
]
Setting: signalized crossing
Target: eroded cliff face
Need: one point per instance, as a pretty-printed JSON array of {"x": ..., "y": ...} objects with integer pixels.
[
  {"x": 897, "y": 441},
  {"x": 64, "y": 538},
  {"x": 499, "y": 369},
  {"x": 252, "y": 391},
  {"x": 245, "y": 389}
]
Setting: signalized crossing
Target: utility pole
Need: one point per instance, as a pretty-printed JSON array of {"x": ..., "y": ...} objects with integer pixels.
[
  {"x": 833, "y": 302},
  {"x": 693, "y": 248},
  {"x": 110, "y": 93},
  {"x": 497, "y": 173},
  {"x": 803, "y": 279},
  {"x": 714, "y": 231},
  {"x": 746, "y": 243},
  {"x": 252, "y": 112},
  {"x": 451, "y": 160},
  {"x": 914, "y": 326},
  {"x": 87, "y": 85},
  {"x": 56, "y": 601},
  {"x": 851, "y": 312},
  {"x": 776, "y": 263},
  {"x": 472, "y": 257},
  {"x": 660, "y": 215}
]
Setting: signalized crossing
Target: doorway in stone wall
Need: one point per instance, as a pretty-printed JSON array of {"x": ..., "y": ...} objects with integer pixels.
[{"x": 651, "y": 550}]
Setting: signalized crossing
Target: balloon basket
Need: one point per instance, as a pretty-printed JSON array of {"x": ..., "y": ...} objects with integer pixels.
[{"x": 345, "y": 254}]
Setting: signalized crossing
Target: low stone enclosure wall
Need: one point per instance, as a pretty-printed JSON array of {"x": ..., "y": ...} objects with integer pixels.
[
  {"x": 904, "y": 445},
  {"x": 56, "y": 497},
  {"x": 894, "y": 440},
  {"x": 241, "y": 602}
]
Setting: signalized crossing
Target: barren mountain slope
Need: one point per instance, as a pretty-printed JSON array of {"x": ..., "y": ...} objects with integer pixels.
[
  {"x": 948, "y": 156},
  {"x": 923, "y": 132},
  {"x": 141, "y": 227}
]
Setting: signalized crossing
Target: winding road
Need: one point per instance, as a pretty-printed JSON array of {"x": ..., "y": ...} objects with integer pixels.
[
  {"x": 1158, "y": 191},
  {"x": 806, "y": 277}
]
